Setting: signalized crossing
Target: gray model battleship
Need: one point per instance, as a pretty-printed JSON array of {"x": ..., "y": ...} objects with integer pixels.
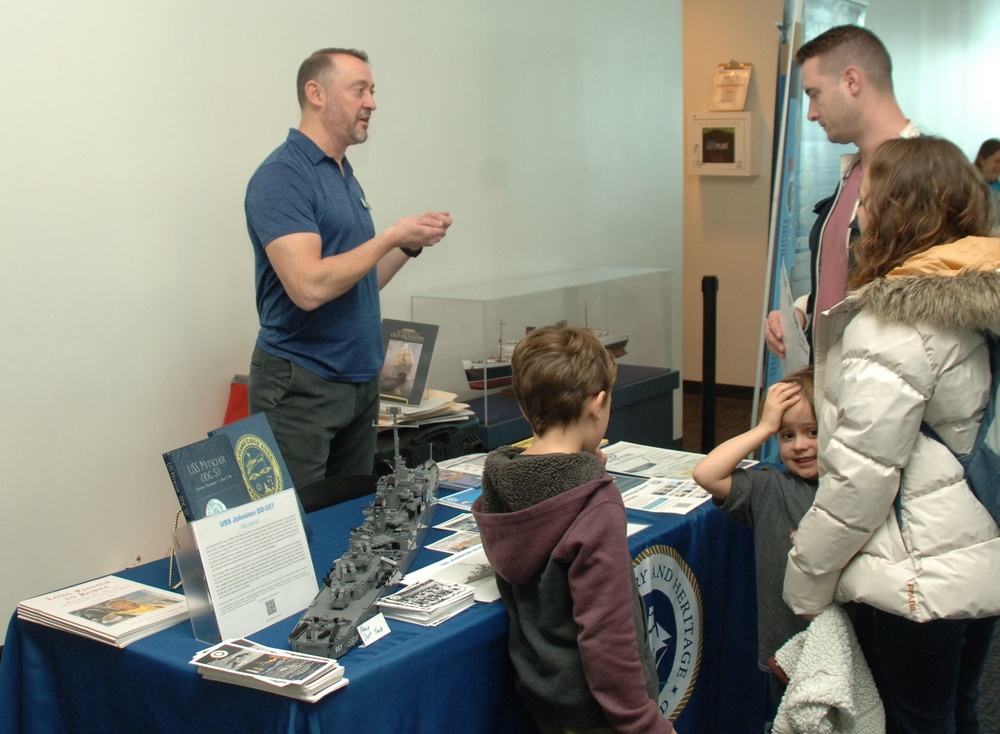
[{"x": 380, "y": 553}]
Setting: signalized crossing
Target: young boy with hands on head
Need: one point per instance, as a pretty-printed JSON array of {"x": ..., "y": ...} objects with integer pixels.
[
  {"x": 770, "y": 501},
  {"x": 553, "y": 526}
]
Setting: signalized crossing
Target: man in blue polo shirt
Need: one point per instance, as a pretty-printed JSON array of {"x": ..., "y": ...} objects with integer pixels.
[{"x": 319, "y": 267}]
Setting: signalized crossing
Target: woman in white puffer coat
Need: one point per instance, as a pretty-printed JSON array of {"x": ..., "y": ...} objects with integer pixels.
[{"x": 894, "y": 527}]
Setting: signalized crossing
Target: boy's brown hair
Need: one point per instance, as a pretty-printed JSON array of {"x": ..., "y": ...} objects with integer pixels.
[
  {"x": 804, "y": 379},
  {"x": 556, "y": 368}
]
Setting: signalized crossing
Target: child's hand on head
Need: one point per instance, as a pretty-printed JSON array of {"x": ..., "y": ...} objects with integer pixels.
[{"x": 780, "y": 397}]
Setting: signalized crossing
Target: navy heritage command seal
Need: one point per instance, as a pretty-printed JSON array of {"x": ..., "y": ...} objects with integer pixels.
[{"x": 674, "y": 619}]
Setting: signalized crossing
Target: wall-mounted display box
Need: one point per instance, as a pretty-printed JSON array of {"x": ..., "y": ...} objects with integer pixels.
[
  {"x": 722, "y": 144},
  {"x": 479, "y": 325}
]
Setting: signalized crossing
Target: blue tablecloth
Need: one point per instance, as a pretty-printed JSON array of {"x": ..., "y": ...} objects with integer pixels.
[{"x": 416, "y": 679}]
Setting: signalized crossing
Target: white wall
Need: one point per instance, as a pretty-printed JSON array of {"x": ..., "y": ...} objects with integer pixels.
[
  {"x": 128, "y": 131},
  {"x": 726, "y": 217},
  {"x": 946, "y": 65}
]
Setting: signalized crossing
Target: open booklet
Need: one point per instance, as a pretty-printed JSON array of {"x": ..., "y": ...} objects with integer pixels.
[{"x": 655, "y": 479}]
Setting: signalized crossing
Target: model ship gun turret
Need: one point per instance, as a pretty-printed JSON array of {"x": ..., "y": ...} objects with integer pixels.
[{"x": 380, "y": 552}]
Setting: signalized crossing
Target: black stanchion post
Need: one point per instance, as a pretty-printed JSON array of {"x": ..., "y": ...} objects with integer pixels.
[{"x": 709, "y": 289}]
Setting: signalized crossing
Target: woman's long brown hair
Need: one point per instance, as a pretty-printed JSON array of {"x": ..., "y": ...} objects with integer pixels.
[{"x": 922, "y": 192}]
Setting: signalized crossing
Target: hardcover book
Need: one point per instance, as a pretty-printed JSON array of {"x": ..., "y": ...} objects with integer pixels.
[
  {"x": 408, "y": 347},
  {"x": 206, "y": 477},
  {"x": 238, "y": 463},
  {"x": 257, "y": 455},
  {"x": 112, "y": 610}
]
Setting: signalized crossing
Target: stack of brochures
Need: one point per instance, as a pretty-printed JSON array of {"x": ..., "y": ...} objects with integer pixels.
[
  {"x": 428, "y": 602},
  {"x": 293, "y": 674},
  {"x": 112, "y": 610}
]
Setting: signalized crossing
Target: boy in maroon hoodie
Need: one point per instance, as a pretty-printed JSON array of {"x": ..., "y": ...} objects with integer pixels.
[{"x": 552, "y": 524}]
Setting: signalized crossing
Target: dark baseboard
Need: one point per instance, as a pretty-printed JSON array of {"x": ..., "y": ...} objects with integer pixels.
[{"x": 738, "y": 392}]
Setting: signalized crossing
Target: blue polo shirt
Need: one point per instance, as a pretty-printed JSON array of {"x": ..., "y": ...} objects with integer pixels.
[{"x": 298, "y": 188}]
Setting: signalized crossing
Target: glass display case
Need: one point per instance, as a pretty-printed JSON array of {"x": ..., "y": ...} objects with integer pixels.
[{"x": 479, "y": 325}]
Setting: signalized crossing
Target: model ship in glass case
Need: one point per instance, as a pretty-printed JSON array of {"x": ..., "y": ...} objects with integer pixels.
[
  {"x": 495, "y": 371},
  {"x": 380, "y": 553}
]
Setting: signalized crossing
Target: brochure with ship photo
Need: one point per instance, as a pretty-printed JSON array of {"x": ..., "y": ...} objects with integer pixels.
[
  {"x": 470, "y": 567},
  {"x": 112, "y": 610},
  {"x": 461, "y": 500},
  {"x": 245, "y": 663},
  {"x": 427, "y": 602},
  {"x": 456, "y": 542}
]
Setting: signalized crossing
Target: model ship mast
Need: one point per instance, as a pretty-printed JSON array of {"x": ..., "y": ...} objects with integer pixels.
[{"x": 380, "y": 552}]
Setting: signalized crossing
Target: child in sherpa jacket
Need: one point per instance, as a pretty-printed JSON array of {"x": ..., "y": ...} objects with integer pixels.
[{"x": 552, "y": 524}]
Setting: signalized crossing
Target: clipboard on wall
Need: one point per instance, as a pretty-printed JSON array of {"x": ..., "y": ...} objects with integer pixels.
[{"x": 729, "y": 91}]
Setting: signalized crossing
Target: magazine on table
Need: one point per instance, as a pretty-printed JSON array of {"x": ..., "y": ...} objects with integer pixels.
[
  {"x": 462, "y": 472},
  {"x": 458, "y": 479},
  {"x": 660, "y": 494},
  {"x": 462, "y": 499},
  {"x": 246, "y": 663},
  {"x": 112, "y": 610},
  {"x": 456, "y": 542},
  {"x": 650, "y": 461},
  {"x": 428, "y": 602},
  {"x": 464, "y": 522}
]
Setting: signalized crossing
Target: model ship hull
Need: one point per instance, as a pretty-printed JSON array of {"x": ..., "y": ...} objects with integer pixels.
[
  {"x": 487, "y": 375},
  {"x": 493, "y": 373},
  {"x": 380, "y": 553},
  {"x": 614, "y": 341}
]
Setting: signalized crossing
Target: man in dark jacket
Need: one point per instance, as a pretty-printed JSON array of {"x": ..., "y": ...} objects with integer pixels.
[{"x": 847, "y": 76}]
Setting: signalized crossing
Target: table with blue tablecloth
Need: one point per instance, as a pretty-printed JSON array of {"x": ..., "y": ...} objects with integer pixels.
[{"x": 695, "y": 569}]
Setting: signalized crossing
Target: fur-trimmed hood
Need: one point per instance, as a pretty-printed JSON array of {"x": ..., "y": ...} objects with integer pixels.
[{"x": 955, "y": 285}]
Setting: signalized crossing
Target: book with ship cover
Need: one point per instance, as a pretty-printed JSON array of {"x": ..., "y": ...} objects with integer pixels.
[
  {"x": 427, "y": 602},
  {"x": 408, "y": 347},
  {"x": 112, "y": 610},
  {"x": 246, "y": 663}
]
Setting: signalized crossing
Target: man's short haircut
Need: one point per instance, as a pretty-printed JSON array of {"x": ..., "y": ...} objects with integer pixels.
[
  {"x": 318, "y": 66},
  {"x": 850, "y": 45},
  {"x": 556, "y": 369}
]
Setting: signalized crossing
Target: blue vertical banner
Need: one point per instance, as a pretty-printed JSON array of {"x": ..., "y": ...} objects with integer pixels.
[{"x": 783, "y": 229}]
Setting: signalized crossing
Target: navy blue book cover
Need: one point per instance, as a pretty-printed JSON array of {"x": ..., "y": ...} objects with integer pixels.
[
  {"x": 257, "y": 455},
  {"x": 206, "y": 477}
]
